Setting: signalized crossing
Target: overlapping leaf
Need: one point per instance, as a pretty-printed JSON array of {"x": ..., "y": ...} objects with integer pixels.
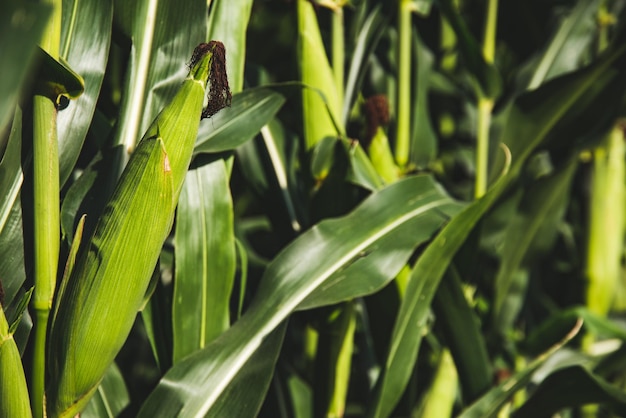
[
  {"x": 299, "y": 277},
  {"x": 534, "y": 118}
]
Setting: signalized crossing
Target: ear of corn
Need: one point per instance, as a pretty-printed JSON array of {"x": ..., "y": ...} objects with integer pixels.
[
  {"x": 104, "y": 290},
  {"x": 14, "y": 400}
]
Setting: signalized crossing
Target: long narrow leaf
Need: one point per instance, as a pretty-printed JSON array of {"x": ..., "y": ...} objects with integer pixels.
[
  {"x": 228, "y": 22},
  {"x": 492, "y": 402},
  {"x": 250, "y": 111},
  {"x": 111, "y": 397},
  {"x": 572, "y": 386},
  {"x": 205, "y": 259},
  {"x": 569, "y": 44},
  {"x": 86, "y": 33},
  {"x": 533, "y": 124},
  {"x": 18, "y": 44},
  {"x": 295, "y": 278},
  {"x": 544, "y": 207},
  {"x": 162, "y": 33},
  {"x": 11, "y": 178}
]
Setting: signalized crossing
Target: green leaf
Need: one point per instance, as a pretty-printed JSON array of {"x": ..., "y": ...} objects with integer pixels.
[
  {"x": 297, "y": 277},
  {"x": 492, "y": 402},
  {"x": 14, "y": 315},
  {"x": 269, "y": 166},
  {"x": 533, "y": 119},
  {"x": 486, "y": 74},
  {"x": 570, "y": 45},
  {"x": 11, "y": 176},
  {"x": 322, "y": 157},
  {"x": 550, "y": 329},
  {"x": 463, "y": 335},
  {"x": 250, "y": 111},
  {"x": 109, "y": 281},
  {"x": 535, "y": 222},
  {"x": 111, "y": 397},
  {"x": 370, "y": 269},
  {"x": 570, "y": 387},
  {"x": 424, "y": 141},
  {"x": 248, "y": 390},
  {"x": 56, "y": 79},
  {"x": 422, "y": 7},
  {"x": 205, "y": 258},
  {"x": 21, "y": 27},
  {"x": 157, "y": 318},
  {"x": 440, "y": 396},
  {"x": 86, "y": 33},
  {"x": 411, "y": 321},
  {"x": 71, "y": 260},
  {"x": 362, "y": 172},
  {"x": 228, "y": 23},
  {"x": 280, "y": 155},
  {"x": 12, "y": 268},
  {"x": 367, "y": 40},
  {"x": 162, "y": 35}
]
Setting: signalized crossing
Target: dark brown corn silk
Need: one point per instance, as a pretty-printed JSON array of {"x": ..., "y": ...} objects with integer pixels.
[
  {"x": 219, "y": 95},
  {"x": 376, "y": 114},
  {"x": 200, "y": 51}
]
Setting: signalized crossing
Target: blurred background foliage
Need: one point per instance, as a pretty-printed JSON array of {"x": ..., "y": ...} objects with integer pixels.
[{"x": 412, "y": 208}]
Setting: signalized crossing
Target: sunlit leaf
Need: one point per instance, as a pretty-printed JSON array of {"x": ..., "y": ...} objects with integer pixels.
[
  {"x": 250, "y": 111},
  {"x": 204, "y": 237},
  {"x": 86, "y": 33},
  {"x": 299, "y": 277},
  {"x": 228, "y": 22},
  {"x": 111, "y": 397},
  {"x": 21, "y": 26}
]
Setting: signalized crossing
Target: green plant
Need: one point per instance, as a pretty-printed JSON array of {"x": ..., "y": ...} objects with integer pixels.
[{"x": 377, "y": 216}]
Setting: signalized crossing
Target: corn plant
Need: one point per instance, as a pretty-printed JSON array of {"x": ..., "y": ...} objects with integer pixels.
[{"x": 312, "y": 208}]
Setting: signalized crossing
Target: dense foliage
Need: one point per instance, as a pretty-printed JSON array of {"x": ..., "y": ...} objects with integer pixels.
[{"x": 360, "y": 208}]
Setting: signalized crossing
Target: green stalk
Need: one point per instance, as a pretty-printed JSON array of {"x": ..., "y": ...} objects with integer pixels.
[
  {"x": 338, "y": 53},
  {"x": 605, "y": 20},
  {"x": 606, "y": 231},
  {"x": 316, "y": 72},
  {"x": 342, "y": 338},
  {"x": 334, "y": 360},
  {"x": 606, "y": 223},
  {"x": 482, "y": 146},
  {"x": 46, "y": 214},
  {"x": 439, "y": 401},
  {"x": 485, "y": 105},
  {"x": 489, "y": 40},
  {"x": 448, "y": 63},
  {"x": 404, "y": 82}
]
